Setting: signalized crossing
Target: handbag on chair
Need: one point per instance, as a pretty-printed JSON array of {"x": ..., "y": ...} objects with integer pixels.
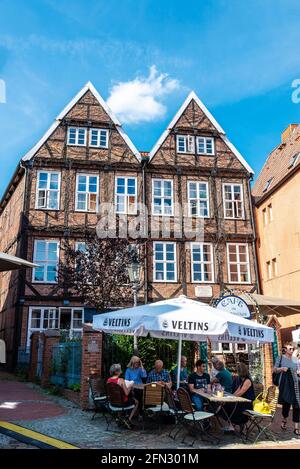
[{"x": 260, "y": 405}]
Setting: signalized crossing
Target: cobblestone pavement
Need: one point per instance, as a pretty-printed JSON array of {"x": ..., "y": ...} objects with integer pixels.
[{"x": 76, "y": 427}]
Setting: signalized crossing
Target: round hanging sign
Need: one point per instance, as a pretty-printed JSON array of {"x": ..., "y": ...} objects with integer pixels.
[{"x": 235, "y": 305}]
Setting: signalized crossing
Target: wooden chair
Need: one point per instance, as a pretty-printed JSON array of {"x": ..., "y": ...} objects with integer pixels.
[
  {"x": 153, "y": 402},
  {"x": 262, "y": 422},
  {"x": 98, "y": 394},
  {"x": 117, "y": 407},
  {"x": 196, "y": 420}
]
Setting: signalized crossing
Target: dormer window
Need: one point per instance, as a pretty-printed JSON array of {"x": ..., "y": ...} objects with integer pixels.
[
  {"x": 77, "y": 136},
  {"x": 185, "y": 144},
  {"x": 293, "y": 161},
  {"x": 205, "y": 146},
  {"x": 267, "y": 185}
]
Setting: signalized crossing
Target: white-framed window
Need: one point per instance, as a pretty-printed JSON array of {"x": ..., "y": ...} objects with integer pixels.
[
  {"x": 77, "y": 136},
  {"x": 68, "y": 319},
  {"x": 99, "y": 138},
  {"x": 71, "y": 320},
  {"x": 126, "y": 195},
  {"x": 185, "y": 143},
  {"x": 48, "y": 190},
  {"x": 233, "y": 200},
  {"x": 87, "y": 188},
  {"x": 238, "y": 263},
  {"x": 198, "y": 197},
  {"x": 164, "y": 262},
  {"x": 162, "y": 197},
  {"x": 202, "y": 263},
  {"x": 46, "y": 255},
  {"x": 205, "y": 146}
]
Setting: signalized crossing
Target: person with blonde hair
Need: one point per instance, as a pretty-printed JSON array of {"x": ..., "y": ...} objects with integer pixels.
[{"x": 135, "y": 371}]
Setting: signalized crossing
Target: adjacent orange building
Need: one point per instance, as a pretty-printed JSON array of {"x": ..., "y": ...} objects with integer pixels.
[{"x": 277, "y": 212}]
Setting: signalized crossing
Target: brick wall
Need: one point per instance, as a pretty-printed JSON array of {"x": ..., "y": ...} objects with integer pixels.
[{"x": 91, "y": 362}]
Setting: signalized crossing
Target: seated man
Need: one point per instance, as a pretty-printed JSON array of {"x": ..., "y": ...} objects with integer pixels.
[
  {"x": 183, "y": 371},
  {"x": 223, "y": 376},
  {"x": 159, "y": 375},
  {"x": 198, "y": 380}
]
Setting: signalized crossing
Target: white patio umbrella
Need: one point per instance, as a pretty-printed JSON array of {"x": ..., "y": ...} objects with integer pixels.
[{"x": 182, "y": 319}]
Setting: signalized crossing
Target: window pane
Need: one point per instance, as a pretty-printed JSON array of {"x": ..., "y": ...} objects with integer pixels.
[
  {"x": 81, "y": 136},
  {"x": 53, "y": 181},
  {"x": 94, "y": 137},
  {"x": 39, "y": 273},
  {"x": 53, "y": 200},
  {"x": 52, "y": 251},
  {"x": 43, "y": 178},
  {"x": 93, "y": 184},
  {"x": 103, "y": 138},
  {"x": 36, "y": 319},
  {"x": 157, "y": 188},
  {"x": 51, "y": 272},
  {"x": 81, "y": 201},
  {"x": 120, "y": 203}
]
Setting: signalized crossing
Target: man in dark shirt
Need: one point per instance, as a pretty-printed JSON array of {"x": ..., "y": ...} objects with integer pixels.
[{"x": 198, "y": 380}]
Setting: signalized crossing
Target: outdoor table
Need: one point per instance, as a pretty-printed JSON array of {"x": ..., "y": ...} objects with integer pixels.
[{"x": 217, "y": 403}]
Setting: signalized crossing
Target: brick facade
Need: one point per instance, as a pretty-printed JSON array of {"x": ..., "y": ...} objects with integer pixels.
[{"x": 121, "y": 159}]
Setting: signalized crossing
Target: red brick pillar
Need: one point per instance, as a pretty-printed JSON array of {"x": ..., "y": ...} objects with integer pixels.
[
  {"x": 51, "y": 338},
  {"x": 91, "y": 362},
  {"x": 268, "y": 365},
  {"x": 34, "y": 346}
]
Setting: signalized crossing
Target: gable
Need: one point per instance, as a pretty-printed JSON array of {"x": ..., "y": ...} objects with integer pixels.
[
  {"x": 86, "y": 108},
  {"x": 193, "y": 118}
]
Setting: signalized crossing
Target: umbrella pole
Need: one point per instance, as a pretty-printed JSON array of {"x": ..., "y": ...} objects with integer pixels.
[{"x": 179, "y": 361}]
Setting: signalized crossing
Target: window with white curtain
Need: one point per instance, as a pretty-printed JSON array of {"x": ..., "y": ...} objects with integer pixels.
[
  {"x": 86, "y": 193},
  {"x": 238, "y": 263},
  {"x": 48, "y": 190},
  {"x": 233, "y": 201},
  {"x": 126, "y": 195}
]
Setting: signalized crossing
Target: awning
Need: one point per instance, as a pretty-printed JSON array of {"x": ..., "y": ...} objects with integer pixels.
[
  {"x": 8, "y": 262},
  {"x": 269, "y": 305}
]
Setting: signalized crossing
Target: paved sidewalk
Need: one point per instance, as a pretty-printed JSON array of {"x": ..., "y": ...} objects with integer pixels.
[
  {"x": 30, "y": 406},
  {"x": 18, "y": 400}
]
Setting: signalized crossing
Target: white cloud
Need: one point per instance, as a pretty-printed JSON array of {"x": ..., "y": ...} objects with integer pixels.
[{"x": 139, "y": 100}]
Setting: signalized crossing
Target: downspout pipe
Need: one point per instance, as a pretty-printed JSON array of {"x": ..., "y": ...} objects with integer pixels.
[
  {"x": 254, "y": 237},
  {"x": 144, "y": 195}
]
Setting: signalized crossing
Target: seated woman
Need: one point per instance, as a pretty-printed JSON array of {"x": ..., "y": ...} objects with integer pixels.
[
  {"x": 245, "y": 389},
  {"x": 128, "y": 400},
  {"x": 135, "y": 371}
]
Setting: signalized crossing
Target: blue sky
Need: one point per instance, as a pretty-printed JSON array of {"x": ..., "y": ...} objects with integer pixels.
[{"x": 240, "y": 57}]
